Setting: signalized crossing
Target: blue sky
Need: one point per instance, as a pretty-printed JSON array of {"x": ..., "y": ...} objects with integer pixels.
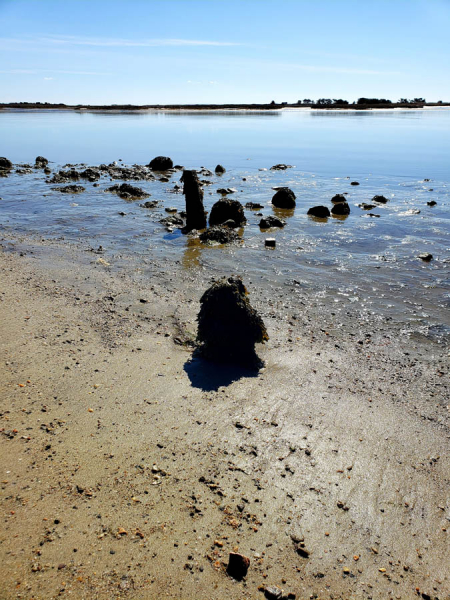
[{"x": 216, "y": 51}]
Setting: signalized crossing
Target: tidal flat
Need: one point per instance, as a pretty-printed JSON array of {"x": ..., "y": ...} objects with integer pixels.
[{"x": 133, "y": 468}]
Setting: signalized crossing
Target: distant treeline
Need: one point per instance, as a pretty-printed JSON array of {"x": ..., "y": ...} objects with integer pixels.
[{"x": 361, "y": 103}]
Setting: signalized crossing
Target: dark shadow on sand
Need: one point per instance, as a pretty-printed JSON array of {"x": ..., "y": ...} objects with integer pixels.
[{"x": 209, "y": 376}]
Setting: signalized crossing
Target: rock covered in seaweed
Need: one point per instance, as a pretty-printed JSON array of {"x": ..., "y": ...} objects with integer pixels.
[
  {"x": 40, "y": 162},
  {"x": 5, "y": 163},
  {"x": 270, "y": 221},
  {"x": 127, "y": 191},
  {"x": 224, "y": 210},
  {"x": 219, "y": 234},
  {"x": 228, "y": 326},
  {"x": 284, "y": 198}
]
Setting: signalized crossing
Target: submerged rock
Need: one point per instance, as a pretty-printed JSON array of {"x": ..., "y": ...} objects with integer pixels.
[
  {"x": 70, "y": 189},
  {"x": 225, "y": 191},
  {"x": 5, "y": 163},
  {"x": 284, "y": 198},
  {"x": 40, "y": 162},
  {"x": 280, "y": 167},
  {"x": 253, "y": 205},
  {"x": 341, "y": 208},
  {"x": 338, "y": 198},
  {"x": 149, "y": 204},
  {"x": 426, "y": 256},
  {"x": 219, "y": 170},
  {"x": 161, "y": 163},
  {"x": 90, "y": 174},
  {"x": 219, "y": 234},
  {"x": 224, "y": 210},
  {"x": 366, "y": 206},
  {"x": 127, "y": 191},
  {"x": 228, "y": 326},
  {"x": 319, "y": 211},
  {"x": 380, "y": 199},
  {"x": 432, "y": 203},
  {"x": 65, "y": 176},
  {"x": 193, "y": 194},
  {"x": 354, "y": 183},
  {"x": 268, "y": 222},
  {"x": 238, "y": 565}
]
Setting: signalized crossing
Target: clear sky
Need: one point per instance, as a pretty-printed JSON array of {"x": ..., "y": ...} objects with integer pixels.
[{"x": 216, "y": 51}]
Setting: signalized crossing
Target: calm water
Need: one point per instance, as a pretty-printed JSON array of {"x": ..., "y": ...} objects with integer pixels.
[{"x": 361, "y": 263}]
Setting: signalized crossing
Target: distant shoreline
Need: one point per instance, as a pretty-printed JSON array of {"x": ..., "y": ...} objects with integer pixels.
[{"x": 219, "y": 107}]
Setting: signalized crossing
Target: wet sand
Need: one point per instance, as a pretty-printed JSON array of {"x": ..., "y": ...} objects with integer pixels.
[{"x": 131, "y": 469}]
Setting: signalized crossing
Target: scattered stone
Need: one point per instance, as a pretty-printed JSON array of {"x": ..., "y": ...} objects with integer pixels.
[
  {"x": 173, "y": 220},
  {"x": 253, "y": 205},
  {"x": 225, "y": 209},
  {"x": 149, "y": 204},
  {"x": 228, "y": 326},
  {"x": 171, "y": 209},
  {"x": 432, "y": 203},
  {"x": 319, "y": 211},
  {"x": 268, "y": 222},
  {"x": 342, "y": 208},
  {"x": 193, "y": 194},
  {"x": 127, "y": 191},
  {"x": 161, "y": 163},
  {"x": 90, "y": 174},
  {"x": 371, "y": 215},
  {"x": 366, "y": 206},
  {"x": 280, "y": 167},
  {"x": 219, "y": 234},
  {"x": 270, "y": 242},
  {"x": 354, "y": 183},
  {"x": 426, "y": 256},
  {"x": 65, "y": 176},
  {"x": 284, "y": 198},
  {"x": 5, "y": 163},
  {"x": 70, "y": 189},
  {"x": 338, "y": 198},
  {"x": 40, "y": 162},
  {"x": 238, "y": 565},
  {"x": 219, "y": 170},
  {"x": 273, "y": 592},
  {"x": 380, "y": 199},
  {"x": 225, "y": 191}
]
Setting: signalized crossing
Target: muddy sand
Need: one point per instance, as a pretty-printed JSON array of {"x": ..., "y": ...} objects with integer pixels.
[{"x": 131, "y": 469}]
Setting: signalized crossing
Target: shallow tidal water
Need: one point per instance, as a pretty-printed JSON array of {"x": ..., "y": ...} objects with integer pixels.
[{"x": 363, "y": 264}]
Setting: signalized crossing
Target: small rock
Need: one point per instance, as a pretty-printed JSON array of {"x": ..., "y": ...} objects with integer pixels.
[
  {"x": 40, "y": 162},
  {"x": 425, "y": 256},
  {"x": 268, "y": 222},
  {"x": 354, "y": 183},
  {"x": 270, "y": 242},
  {"x": 284, "y": 198},
  {"x": 253, "y": 205},
  {"x": 432, "y": 203},
  {"x": 238, "y": 565},
  {"x": 280, "y": 167},
  {"x": 319, "y": 211},
  {"x": 219, "y": 234},
  {"x": 366, "y": 206},
  {"x": 5, "y": 163},
  {"x": 225, "y": 191},
  {"x": 225, "y": 209},
  {"x": 338, "y": 198},
  {"x": 219, "y": 170},
  {"x": 341, "y": 208},
  {"x": 380, "y": 199},
  {"x": 161, "y": 163},
  {"x": 273, "y": 592}
]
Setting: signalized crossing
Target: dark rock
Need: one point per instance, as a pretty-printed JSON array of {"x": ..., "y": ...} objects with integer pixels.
[
  {"x": 149, "y": 204},
  {"x": 426, "y": 256},
  {"x": 366, "y": 206},
  {"x": 173, "y": 220},
  {"x": 228, "y": 326},
  {"x": 342, "y": 208},
  {"x": 164, "y": 179},
  {"x": 268, "y": 222},
  {"x": 380, "y": 199},
  {"x": 127, "y": 191},
  {"x": 47, "y": 171},
  {"x": 40, "y": 162},
  {"x": 225, "y": 209},
  {"x": 65, "y": 176},
  {"x": 371, "y": 215},
  {"x": 171, "y": 209},
  {"x": 273, "y": 592},
  {"x": 432, "y": 203},
  {"x": 238, "y": 565},
  {"x": 253, "y": 205},
  {"x": 338, "y": 198},
  {"x": 5, "y": 163},
  {"x": 280, "y": 167},
  {"x": 284, "y": 198},
  {"x": 220, "y": 234},
  {"x": 270, "y": 242},
  {"x": 230, "y": 223},
  {"x": 354, "y": 183},
  {"x": 193, "y": 194},
  {"x": 70, "y": 189},
  {"x": 225, "y": 191},
  {"x": 90, "y": 174},
  {"x": 219, "y": 170},
  {"x": 319, "y": 211},
  {"x": 161, "y": 163}
]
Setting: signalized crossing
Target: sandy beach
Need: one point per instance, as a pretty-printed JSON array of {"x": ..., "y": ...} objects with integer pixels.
[{"x": 131, "y": 469}]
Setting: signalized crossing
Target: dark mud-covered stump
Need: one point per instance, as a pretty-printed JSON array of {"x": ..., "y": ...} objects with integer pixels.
[
  {"x": 193, "y": 193},
  {"x": 228, "y": 326}
]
